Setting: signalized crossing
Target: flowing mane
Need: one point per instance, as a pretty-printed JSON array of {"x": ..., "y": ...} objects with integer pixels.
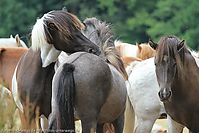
[
  {"x": 109, "y": 52},
  {"x": 168, "y": 46},
  {"x": 61, "y": 19}
]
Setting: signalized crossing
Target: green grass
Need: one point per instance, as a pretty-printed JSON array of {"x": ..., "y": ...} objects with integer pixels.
[{"x": 9, "y": 120}]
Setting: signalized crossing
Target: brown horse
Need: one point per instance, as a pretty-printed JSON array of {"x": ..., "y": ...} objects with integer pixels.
[
  {"x": 128, "y": 60},
  {"x": 178, "y": 79},
  {"x": 144, "y": 51},
  {"x": 32, "y": 80},
  {"x": 9, "y": 57}
]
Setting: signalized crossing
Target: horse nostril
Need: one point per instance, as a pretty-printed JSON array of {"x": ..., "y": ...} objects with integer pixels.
[
  {"x": 159, "y": 94},
  {"x": 164, "y": 95},
  {"x": 169, "y": 94}
]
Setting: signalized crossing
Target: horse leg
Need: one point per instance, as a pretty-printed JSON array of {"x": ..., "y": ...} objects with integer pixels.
[
  {"x": 52, "y": 123},
  {"x": 89, "y": 126},
  {"x": 43, "y": 122},
  {"x": 144, "y": 125},
  {"x": 100, "y": 128},
  {"x": 109, "y": 128},
  {"x": 173, "y": 126},
  {"x": 119, "y": 123},
  {"x": 27, "y": 123},
  {"x": 23, "y": 120},
  {"x": 129, "y": 123}
]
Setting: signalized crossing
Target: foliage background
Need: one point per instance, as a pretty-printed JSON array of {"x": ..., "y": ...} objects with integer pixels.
[{"x": 132, "y": 20}]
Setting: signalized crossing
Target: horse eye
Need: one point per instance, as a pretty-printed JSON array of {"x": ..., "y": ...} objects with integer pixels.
[{"x": 51, "y": 26}]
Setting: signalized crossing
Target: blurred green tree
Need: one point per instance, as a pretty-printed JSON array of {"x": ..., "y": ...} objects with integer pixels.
[
  {"x": 132, "y": 20},
  {"x": 179, "y": 18}
]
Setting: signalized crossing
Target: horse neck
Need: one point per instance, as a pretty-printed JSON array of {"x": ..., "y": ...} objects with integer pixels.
[
  {"x": 49, "y": 54},
  {"x": 189, "y": 74},
  {"x": 113, "y": 58}
]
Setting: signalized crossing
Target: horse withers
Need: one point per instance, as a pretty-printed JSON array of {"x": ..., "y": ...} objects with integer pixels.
[{"x": 178, "y": 79}]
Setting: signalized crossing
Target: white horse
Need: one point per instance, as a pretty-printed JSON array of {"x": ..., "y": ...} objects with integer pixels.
[
  {"x": 125, "y": 49},
  {"x": 143, "y": 95},
  {"x": 12, "y": 42}
]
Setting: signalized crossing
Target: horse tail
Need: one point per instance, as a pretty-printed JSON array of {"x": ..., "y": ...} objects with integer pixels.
[{"x": 65, "y": 98}]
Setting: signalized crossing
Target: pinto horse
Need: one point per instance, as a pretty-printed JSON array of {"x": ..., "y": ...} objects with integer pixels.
[
  {"x": 32, "y": 79},
  {"x": 178, "y": 78},
  {"x": 93, "y": 86}
]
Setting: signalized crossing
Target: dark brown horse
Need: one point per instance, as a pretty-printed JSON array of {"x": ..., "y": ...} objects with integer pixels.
[
  {"x": 178, "y": 79},
  {"x": 32, "y": 80},
  {"x": 92, "y": 85}
]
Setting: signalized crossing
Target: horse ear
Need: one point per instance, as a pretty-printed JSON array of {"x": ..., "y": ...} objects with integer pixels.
[
  {"x": 11, "y": 36},
  {"x": 64, "y": 9},
  {"x": 180, "y": 45},
  {"x": 139, "y": 47},
  {"x": 153, "y": 44},
  {"x": 17, "y": 39}
]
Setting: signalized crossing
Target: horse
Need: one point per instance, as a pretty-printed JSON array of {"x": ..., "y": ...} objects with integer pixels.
[
  {"x": 56, "y": 31},
  {"x": 126, "y": 49},
  {"x": 9, "y": 57},
  {"x": 12, "y": 42},
  {"x": 139, "y": 85},
  {"x": 80, "y": 78},
  {"x": 178, "y": 78},
  {"x": 144, "y": 51},
  {"x": 128, "y": 60},
  {"x": 142, "y": 90}
]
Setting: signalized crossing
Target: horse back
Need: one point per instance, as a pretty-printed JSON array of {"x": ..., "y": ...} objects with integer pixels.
[{"x": 97, "y": 85}]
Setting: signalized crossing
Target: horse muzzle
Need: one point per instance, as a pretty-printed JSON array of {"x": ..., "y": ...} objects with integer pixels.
[{"x": 165, "y": 94}]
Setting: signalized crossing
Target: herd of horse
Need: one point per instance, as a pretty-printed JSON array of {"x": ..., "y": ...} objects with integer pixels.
[{"x": 76, "y": 71}]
